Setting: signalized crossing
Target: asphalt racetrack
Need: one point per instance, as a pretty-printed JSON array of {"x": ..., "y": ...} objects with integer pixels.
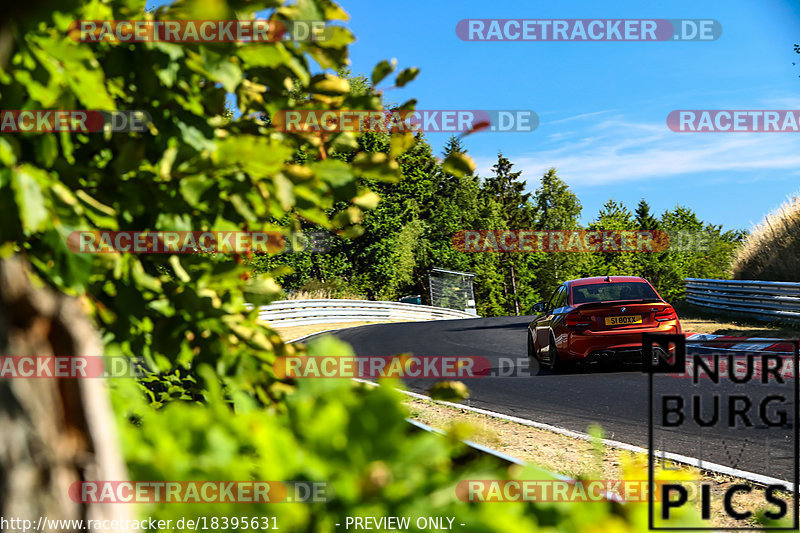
[{"x": 614, "y": 397}]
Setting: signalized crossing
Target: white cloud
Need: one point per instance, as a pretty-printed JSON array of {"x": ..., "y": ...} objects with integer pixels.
[{"x": 617, "y": 150}]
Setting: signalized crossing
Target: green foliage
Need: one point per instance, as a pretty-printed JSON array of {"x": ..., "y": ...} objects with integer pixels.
[
  {"x": 195, "y": 169},
  {"x": 555, "y": 208},
  {"x": 411, "y": 231},
  {"x": 212, "y": 408}
]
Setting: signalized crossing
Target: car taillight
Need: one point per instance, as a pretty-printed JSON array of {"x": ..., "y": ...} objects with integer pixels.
[
  {"x": 668, "y": 313},
  {"x": 576, "y": 320}
]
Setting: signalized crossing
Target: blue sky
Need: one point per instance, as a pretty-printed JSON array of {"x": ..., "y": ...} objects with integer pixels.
[{"x": 603, "y": 106}]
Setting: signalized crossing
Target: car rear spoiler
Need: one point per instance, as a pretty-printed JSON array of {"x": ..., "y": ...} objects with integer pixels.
[{"x": 618, "y": 302}]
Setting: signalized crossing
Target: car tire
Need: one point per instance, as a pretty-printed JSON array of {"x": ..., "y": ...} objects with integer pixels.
[
  {"x": 531, "y": 348},
  {"x": 534, "y": 361},
  {"x": 554, "y": 362}
]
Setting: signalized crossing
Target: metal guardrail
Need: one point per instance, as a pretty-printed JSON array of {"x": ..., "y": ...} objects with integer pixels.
[
  {"x": 306, "y": 312},
  {"x": 775, "y": 299}
]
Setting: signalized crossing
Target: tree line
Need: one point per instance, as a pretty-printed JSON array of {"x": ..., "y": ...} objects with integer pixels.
[{"x": 410, "y": 231}]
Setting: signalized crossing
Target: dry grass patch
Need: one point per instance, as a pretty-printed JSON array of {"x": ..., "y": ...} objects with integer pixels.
[
  {"x": 696, "y": 320},
  {"x": 772, "y": 250}
]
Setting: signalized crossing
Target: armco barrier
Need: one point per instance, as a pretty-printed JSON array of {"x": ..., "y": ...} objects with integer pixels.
[
  {"x": 305, "y": 312},
  {"x": 763, "y": 299}
]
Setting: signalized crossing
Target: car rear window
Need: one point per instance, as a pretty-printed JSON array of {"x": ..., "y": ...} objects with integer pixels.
[{"x": 603, "y": 292}]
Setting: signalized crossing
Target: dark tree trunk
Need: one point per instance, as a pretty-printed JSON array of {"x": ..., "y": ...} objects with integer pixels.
[{"x": 54, "y": 431}]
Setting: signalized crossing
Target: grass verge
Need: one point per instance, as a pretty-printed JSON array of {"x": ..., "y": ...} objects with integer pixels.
[
  {"x": 579, "y": 458},
  {"x": 697, "y": 320}
]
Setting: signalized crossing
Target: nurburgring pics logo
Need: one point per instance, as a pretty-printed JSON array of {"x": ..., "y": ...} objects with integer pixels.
[
  {"x": 404, "y": 121},
  {"x": 745, "y": 419},
  {"x": 731, "y": 120},
  {"x": 80, "y": 121},
  {"x": 588, "y": 30},
  {"x": 198, "y": 31}
]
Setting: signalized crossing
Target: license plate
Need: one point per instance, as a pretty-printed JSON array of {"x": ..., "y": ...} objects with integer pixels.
[{"x": 620, "y": 320}]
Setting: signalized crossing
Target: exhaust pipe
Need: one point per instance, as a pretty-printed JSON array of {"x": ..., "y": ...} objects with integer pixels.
[{"x": 606, "y": 355}]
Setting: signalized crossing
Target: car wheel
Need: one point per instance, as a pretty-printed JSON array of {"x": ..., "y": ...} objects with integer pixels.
[
  {"x": 555, "y": 363},
  {"x": 531, "y": 348}
]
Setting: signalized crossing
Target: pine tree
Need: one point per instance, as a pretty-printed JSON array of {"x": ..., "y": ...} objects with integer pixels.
[
  {"x": 555, "y": 207},
  {"x": 453, "y": 146},
  {"x": 645, "y": 220},
  {"x": 509, "y": 190},
  {"x": 649, "y": 265}
]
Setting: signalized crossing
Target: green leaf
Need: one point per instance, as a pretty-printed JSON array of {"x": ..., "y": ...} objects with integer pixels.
[
  {"x": 175, "y": 263},
  {"x": 264, "y": 55},
  {"x": 329, "y": 84},
  {"x": 381, "y": 70},
  {"x": 336, "y": 37},
  {"x": 194, "y": 137},
  {"x": 284, "y": 191},
  {"x": 101, "y": 215},
  {"x": 28, "y": 183},
  {"x": 377, "y": 165},
  {"x": 459, "y": 165},
  {"x": 193, "y": 187},
  {"x": 344, "y": 142},
  {"x": 336, "y": 173},
  {"x": 9, "y": 150},
  {"x": 228, "y": 74},
  {"x": 46, "y": 150},
  {"x": 367, "y": 200},
  {"x": 259, "y": 156},
  {"x": 401, "y": 143},
  {"x": 406, "y": 76}
]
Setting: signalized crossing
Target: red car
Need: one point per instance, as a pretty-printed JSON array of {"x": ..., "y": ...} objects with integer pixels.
[{"x": 598, "y": 320}]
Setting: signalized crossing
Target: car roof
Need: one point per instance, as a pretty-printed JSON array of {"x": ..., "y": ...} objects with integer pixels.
[{"x": 602, "y": 279}]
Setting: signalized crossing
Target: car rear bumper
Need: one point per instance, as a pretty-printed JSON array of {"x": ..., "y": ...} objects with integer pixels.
[{"x": 603, "y": 346}]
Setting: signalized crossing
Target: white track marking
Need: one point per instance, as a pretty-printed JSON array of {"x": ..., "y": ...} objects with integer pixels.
[{"x": 683, "y": 459}]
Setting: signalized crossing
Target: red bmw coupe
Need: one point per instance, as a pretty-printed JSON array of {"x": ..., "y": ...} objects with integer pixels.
[{"x": 598, "y": 320}]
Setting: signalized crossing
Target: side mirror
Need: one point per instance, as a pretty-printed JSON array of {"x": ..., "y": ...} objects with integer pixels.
[{"x": 539, "y": 307}]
